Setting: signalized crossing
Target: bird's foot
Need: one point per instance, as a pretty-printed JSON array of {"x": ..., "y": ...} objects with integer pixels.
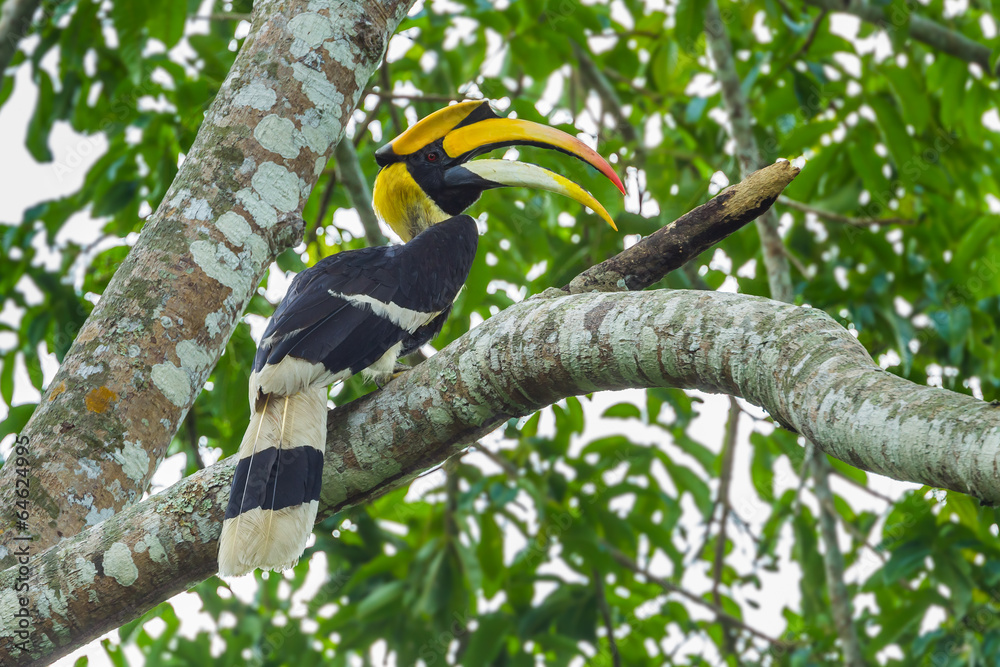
[{"x": 397, "y": 370}]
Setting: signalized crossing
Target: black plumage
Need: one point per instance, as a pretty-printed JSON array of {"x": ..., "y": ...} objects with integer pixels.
[{"x": 424, "y": 275}]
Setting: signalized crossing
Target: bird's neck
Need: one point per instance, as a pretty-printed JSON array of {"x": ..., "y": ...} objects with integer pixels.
[{"x": 402, "y": 204}]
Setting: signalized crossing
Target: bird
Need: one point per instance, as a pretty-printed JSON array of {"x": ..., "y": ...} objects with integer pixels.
[{"x": 361, "y": 310}]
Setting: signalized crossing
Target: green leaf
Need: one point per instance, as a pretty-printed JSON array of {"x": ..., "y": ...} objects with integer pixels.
[
  {"x": 380, "y": 599},
  {"x": 905, "y": 561},
  {"x": 490, "y": 552},
  {"x": 488, "y": 639},
  {"x": 166, "y": 21},
  {"x": 16, "y": 419},
  {"x": 893, "y": 130},
  {"x": 41, "y": 121},
  {"x": 912, "y": 96},
  {"x": 623, "y": 411},
  {"x": 690, "y": 23}
]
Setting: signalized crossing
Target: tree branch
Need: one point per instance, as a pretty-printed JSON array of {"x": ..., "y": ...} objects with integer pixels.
[
  {"x": 725, "y": 480},
  {"x": 15, "y": 21},
  {"x": 844, "y": 219},
  {"x": 747, "y": 152},
  {"x": 921, "y": 29},
  {"x": 669, "y": 587},
  {"x": 605, "y": 609},
  {"x": 798, "y": 363},
  {"x": 694, "y": 232},
  {"x": 840, "y": 600},
  {"x": 350, "y": 174},
  {"x": 776, "y": 261}
]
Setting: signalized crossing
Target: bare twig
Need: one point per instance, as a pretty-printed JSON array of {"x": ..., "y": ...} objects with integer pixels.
[
  {"x": 324, "y": 206},
  {"x": 15, "y": 22},
  {"x": 609, "y": 98},
  {"x": 725, "y": 479},
  {"x": 872, "y": 492},
  {"x": 192, "y": 433},
  {"x": 642, "y": 90},
  {"x": 837, "y": 217},
  {"x": 509, "y": 469},
  {"x": 794, "y": 261},
  {"x": 840, "y": 601},
  {"x": 747, "y": 152},
  {"x": 602, "y": 604},
  {"x": 349, "y": 173},
  {"x": 386, "y": 83},
  {"x": 416, "y": 97},
  {"x": 919, "y": 28},
  {"x": 362, "y": 127},
  {"x": 802, "y": 50},
  {"x": 669, "y": 587}
]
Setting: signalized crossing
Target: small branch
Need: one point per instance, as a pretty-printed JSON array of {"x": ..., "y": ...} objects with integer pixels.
[
  {"x": 351, "y": 175},
  {"x": 362, "y": 128},
  {"x": 837, "y": 217},
  {"x": 919, "y": 28},
  {"x": 747, "y": 153},
  {"x": 15, "y": 22},
  {"x": 725, "y": 480},
  {"x": 451, "y": 489},
  {"x": 223, "y": 17},
  {"x": 872, "y": 492},
  {"x": 645, "y": 92},
  {"x": 415, "y": 97},
  {"x": 509, "y": 469},
  {"x": 609, "y": 98},
  {"x": 720, "y": 614},
  {"x": 794, "y": 261},
  {"x": 602, "y": 604},
  {"x": 324, "y": 206},
  {"x": 192, "y": 433},
  {"x": 810, "y": 37},
  {"x": 670, "y": 247},
  {"x": 386, "y": 83},
  {"x": 833, "y": 559}
]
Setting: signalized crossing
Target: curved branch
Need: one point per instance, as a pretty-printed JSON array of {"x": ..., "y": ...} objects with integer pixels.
[{"x": 796, "y": 362}]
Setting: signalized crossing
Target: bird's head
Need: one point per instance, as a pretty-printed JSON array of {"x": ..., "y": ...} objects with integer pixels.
[{"x": 427, "y": 176}]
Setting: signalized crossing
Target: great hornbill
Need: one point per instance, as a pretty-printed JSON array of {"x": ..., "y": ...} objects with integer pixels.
[{"x": 361, "y": 310}]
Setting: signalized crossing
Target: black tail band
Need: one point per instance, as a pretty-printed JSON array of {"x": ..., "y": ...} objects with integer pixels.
[{"x": 276, "y": 480}]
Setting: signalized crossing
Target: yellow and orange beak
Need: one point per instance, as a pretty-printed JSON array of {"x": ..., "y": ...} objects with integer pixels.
[{"x": 460, "y": 132}]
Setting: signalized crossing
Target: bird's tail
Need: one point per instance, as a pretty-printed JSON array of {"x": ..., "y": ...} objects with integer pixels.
[{"x": 275, "y": 493}]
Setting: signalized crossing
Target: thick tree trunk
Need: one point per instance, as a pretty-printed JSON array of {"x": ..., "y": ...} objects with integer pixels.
[
  {"x": 141, "y": 358},
  {"x": 800, "y": 365}
]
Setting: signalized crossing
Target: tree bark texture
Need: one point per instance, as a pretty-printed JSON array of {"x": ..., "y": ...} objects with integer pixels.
[
  {"x": 796, "y": 362},
  {"x": 140, "y": 360}
]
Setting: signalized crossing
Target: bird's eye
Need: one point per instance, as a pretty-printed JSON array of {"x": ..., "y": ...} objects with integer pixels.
[{"x": 432, "y": 156}]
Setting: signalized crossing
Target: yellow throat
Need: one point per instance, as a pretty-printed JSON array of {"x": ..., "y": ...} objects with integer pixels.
[{"x": 402, "y": 205}]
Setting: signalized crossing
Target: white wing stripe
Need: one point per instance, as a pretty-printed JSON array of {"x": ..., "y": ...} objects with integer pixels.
[{"x": 404, "y": 318}]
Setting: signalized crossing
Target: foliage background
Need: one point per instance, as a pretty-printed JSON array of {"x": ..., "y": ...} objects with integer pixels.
[{"x": 528, "y": 552}]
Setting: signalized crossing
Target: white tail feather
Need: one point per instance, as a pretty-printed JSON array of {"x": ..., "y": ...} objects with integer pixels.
[{"x": 261, "y": 537}]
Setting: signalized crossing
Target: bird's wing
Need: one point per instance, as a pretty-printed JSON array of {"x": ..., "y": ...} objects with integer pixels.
[{"x": 349, "y": 309}]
